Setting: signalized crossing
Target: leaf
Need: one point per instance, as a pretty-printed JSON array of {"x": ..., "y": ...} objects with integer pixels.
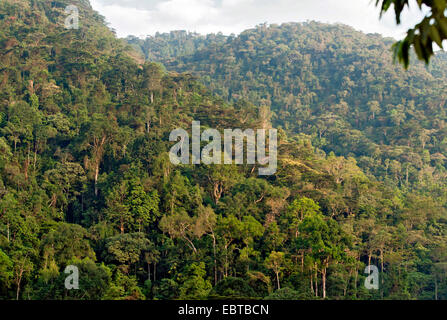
[
  {"x": 442, "y": 26},
  {"x": 440, "y": 5},
  {"x": 435, "y": 36},
  {"x": 418, "y": 47},
  {"x": 424, "y": 28},
  {"x": 404, "y": 53}
]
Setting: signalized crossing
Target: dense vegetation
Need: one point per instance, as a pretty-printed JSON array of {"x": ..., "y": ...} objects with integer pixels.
[
  {"x": 85, "y": 177},
  {"x": 165, "y": 46}
]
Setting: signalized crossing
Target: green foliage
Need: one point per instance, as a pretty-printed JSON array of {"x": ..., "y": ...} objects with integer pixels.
[
  {"x": 124, "y": 287},
  {"x": 232, "y": 288},
  {"x": 85, "y": 176},
  {"x": 94, "y": 282},
  {"x": 66, "y": 242},
  {"x": 5, "y": 271},
  {"x": 126, "y": 249},
  {"x": 285, "y": 294},
  {"x": 194, "y": 285}
]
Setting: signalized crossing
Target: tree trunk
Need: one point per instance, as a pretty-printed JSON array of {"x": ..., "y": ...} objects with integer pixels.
[
  {"x": 191, "y": 244},
  {"x": 96, "y": 179},
  {"x": 35, "y": 158},
  {"x": 226, "y": 261},
  {"x": 27, "y": 162},
  {"x": 18, "y": 291},
  {"x": 98, "y": 150},
  {"x": 215, "y": 260},
  {"x": 302, "y": 262},
  {"x": 436, "y": 289},
  {"x": 19, "y": 280},
  {"x": 277, "y": 280},
  {"x": 345, "y": 289},
  {"x": 312, "y": 284},
  {"x": 155, "y": 271},
  {"x": 406, "y": 175}
]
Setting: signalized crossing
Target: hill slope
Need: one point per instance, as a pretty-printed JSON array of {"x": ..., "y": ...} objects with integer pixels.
[{"x": 335, "y": 85}]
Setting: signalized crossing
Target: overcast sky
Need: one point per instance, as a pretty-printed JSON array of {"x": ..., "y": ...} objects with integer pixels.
[{"x": 146, "y": 17}]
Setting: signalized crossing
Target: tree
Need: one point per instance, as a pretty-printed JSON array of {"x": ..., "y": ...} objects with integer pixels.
[
  {"x": 232, "y": 288},
  {"x": 127, "y": 249},
  {"x": 64, "y": 182},
  {"x": 221, "y": 179},
  {"x": 374, "y": 108},
  {"x": 22, "y": 266},
  {"x": 285, "y": 294},
  {"x": 206, "y": 224},
  {"x": 325, "y": 241},
  {"x": 179, "y": 225},
  {"x": 130, "y": 207},
  {"x": 65, "y": 242},
  {"x": 94, "y": 282},
  {"x": 153, "y": 74},
  {"x": 96, "y": 134},
  {"x": 229, "y": 229},
  {"x": 21, "y": 123},
  {"x": 195, "y": 286},
  {"x": 275, "y": 261},
  {"x": 117, "y": 211},
  {"x": 299, "y": 209},
  {"x": 142, "y": 206},
  {"x": 6, "y": 271}
]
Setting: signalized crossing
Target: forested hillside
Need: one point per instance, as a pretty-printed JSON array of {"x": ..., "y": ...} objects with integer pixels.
[
  {"x": 85, "y": 176},
  {"x": 164, "y": 46}
]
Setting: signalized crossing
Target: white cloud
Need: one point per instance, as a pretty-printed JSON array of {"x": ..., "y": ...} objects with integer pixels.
[{"x": 143, "y": 17}]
